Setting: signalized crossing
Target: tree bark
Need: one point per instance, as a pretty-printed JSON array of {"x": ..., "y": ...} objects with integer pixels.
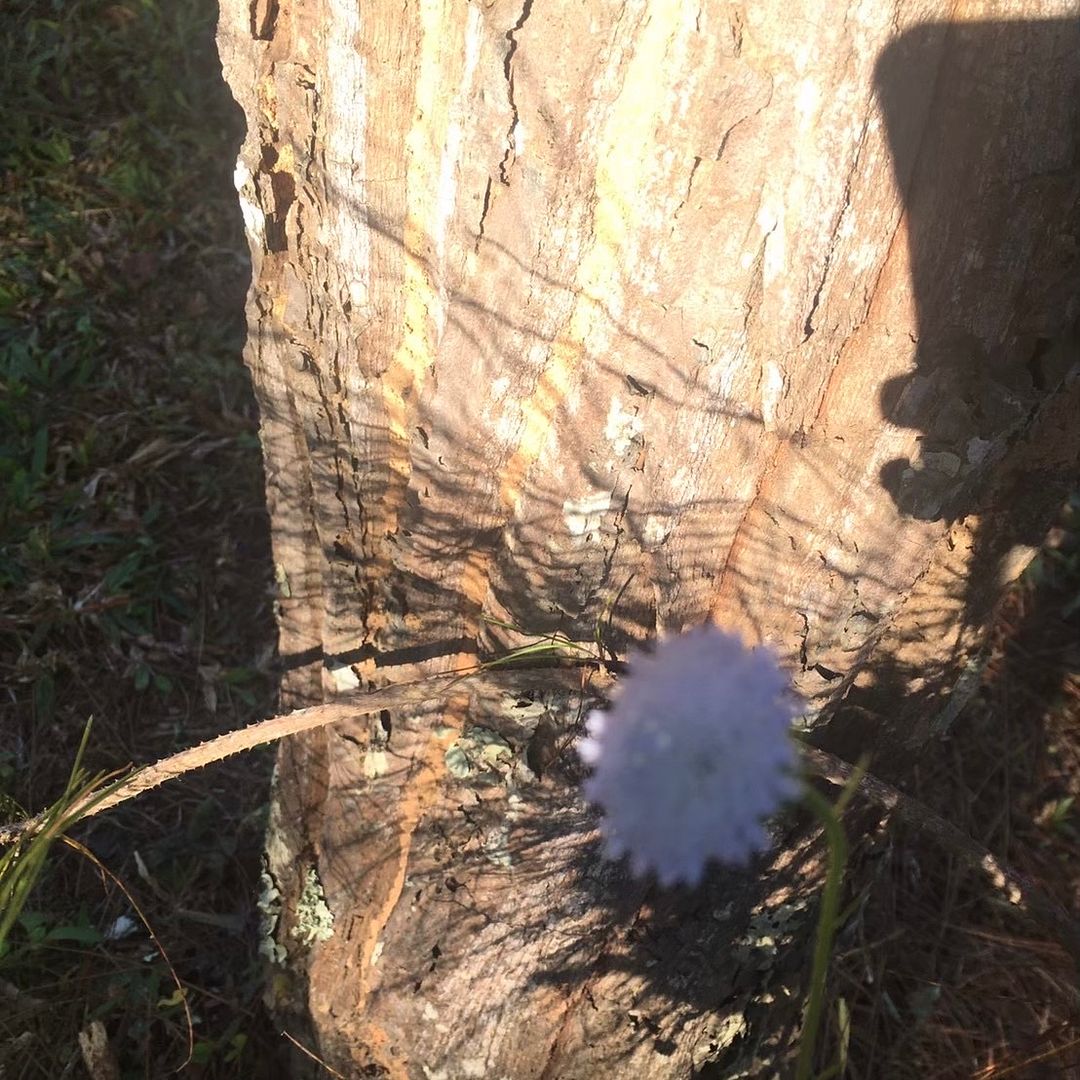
[{"x": 606, "y": 319}]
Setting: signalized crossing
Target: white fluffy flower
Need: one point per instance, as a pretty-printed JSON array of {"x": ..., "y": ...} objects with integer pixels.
[{"x": 694, "y": 753}]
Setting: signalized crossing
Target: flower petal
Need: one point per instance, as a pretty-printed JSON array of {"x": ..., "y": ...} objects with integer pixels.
[{"x": 694, "y": 753}]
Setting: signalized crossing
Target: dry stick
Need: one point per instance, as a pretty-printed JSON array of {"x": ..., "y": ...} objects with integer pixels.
[
  {"x": 1016, "y": 888},
  {"x": 431, "y": 689}
]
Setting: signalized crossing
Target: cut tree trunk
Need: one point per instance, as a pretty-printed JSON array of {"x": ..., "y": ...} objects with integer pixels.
[{"x": 606, "y": 319}]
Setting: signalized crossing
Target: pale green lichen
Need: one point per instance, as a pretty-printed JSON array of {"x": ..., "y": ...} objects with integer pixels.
[
  {"x": 720, "y": 1037},
  {"x": 767, "y": 933},
  {"x": 269, "y": 906},
  {"x": 375, "y": 764},
  {"x": 497, "y": 846},
  {"x": 281, "y": 578},
  {"x": 457, "y": 762},
  {"x": 478, "y": 750},
  {"x": 314, "y": 919}
]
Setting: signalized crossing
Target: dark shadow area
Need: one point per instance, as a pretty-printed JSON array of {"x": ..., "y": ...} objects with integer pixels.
[
  {"x": 984, "y": 126},
  {"x": 990, "y": 174},
  {"x": 971, "y": 983}
]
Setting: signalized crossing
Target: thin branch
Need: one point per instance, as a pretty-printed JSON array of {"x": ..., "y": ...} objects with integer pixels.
[
  {"x": 431, "y": 689},
  {"x": 1015, "y": 888}
]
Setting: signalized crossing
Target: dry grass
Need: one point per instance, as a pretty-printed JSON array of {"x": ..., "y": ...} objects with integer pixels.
[
  {"x": 941, "y": 980},
  {"x": 134, "y": 556}
]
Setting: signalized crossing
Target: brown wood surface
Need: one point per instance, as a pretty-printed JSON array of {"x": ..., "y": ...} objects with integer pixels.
[{"x": 628, "y": 315}]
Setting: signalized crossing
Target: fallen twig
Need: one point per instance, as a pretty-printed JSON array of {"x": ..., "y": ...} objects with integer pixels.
[
  {"x": 1015, "y": 888},
  {"x": 433, "y": 688}
]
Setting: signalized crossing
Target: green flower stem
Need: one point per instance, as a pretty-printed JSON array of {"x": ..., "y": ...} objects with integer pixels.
[{"x": 828, "y": 919}]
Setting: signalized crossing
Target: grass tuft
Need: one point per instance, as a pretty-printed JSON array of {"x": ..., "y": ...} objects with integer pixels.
[{"x": 134, "y": 557}]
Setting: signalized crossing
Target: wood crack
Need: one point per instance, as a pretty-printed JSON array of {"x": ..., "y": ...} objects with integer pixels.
[
  {"x": 808, "y": 326},
  {"x": 264, "y": 15},
  {"x": 686, "y": 194},
  {"x": 483, "y": 216},
  {"x": 508, "y": 71}
]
